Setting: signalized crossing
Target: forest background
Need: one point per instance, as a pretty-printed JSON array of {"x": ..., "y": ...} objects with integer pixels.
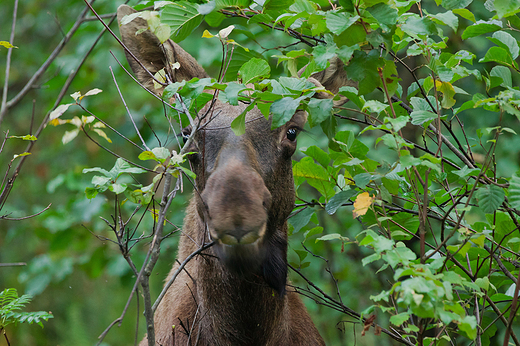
[{"x": 436, "y": 267}]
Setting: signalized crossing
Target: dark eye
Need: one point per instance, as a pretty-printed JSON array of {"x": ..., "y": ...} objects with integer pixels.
[
  {"x": 291, "y": 134},
  {"x": 185, "y": 133}
]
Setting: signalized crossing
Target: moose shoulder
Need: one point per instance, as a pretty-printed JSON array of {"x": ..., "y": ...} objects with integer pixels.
[{"x": 235, "y": 292}]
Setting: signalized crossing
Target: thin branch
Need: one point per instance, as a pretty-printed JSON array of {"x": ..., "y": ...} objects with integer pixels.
[
  {"x": 127, "y": 110},
  {"x": 17, "y": 264},
  {"x": 349, "y": 311},
  {"x": 24, "y": 217},
  {"x": 181, "y": 267},
  {"x": 28, "y": 86},
  {"x": 3, "y": 107}
]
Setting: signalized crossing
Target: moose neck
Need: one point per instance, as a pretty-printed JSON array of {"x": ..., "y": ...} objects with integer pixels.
[{"x": 239, "y": 307}]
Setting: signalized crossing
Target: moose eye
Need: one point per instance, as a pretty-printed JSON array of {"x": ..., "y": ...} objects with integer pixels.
[
  {"x": 185, "y": 133},
  {"x": 291, "y": 134}
]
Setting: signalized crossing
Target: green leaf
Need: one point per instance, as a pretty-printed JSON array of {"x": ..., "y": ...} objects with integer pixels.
[
  {"x": 117, "y": 188},
  {"x": 232, "y": 91},
  {"x": 447, "y": 18},
  {"x": 506, "y": 41},
  {"x": 312, "y": 231},
  {"x": 254, "y": 70},
  {"x": 283, "y": 110},
  {"x": 481, "y": 27},
  {"x": 301, "y": 219},
  {"x": 333, "y": 236},
  {"x": 337, "y": 22},
  {"x": 420, "y": 117},
  {"x": 465, "y": 13},
  {"x": 418, "y": 27},
  {"x": 399, "y": 319},
  {"x": 385, "y": 15},
  {"x": 317, "y": 154},
  {"x": 338, "y": 200},
  {"x": 319, "y": 110},
  {"x": 278, "y": 4},
  {"x": 490, "y": 197},
  {"x": 238, "y": 125},
  {"x": 468, "y": 325},
  {"x": 503, "y": 73},
  {"x": 322, "y": 54},
  {"x": 240, "y": 57},
  {"x": 315, "y": 175},
  {"x": 499, "y": 55},
  {"x": 364, "y": 69},
  {"x": 349, "y": 144},
  {"x": 514, "y": 191},
  {"x": 183, "y": 17},
  {"x": 91, "y": 192},
  {"x": 506, "y": 8},
  {"x": 455, "y": 4}
]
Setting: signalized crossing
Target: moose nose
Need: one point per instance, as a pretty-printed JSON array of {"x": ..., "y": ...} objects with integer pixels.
[
  {"x": 237, "y": 203},
  {"x": 240, "y": 236}
]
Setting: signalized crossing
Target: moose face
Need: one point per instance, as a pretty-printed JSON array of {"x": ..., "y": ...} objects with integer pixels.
[{"x": 245, "y": 182}]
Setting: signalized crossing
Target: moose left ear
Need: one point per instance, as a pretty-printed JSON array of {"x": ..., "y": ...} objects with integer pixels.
[{"x": 332, "y": 78}]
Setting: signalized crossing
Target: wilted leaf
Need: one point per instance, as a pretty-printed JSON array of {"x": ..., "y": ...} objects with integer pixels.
[
  {"x": 362, "y": 203},
  {"x": 69, "y": 136},
  {"x": 102, "y": 134},
  {"x": 59, "y": 111},
  {"x": 92, "y": 92},
  {"x": 224, "y": 33}
]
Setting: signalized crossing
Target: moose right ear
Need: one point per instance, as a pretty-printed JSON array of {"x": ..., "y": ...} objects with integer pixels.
[
  {"x": 147, "y": 48},
  {"x": 332, "y": 78}
]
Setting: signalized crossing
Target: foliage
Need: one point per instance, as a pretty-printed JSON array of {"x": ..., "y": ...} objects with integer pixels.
[
  {"x": 423, "y": 154},
  {"x": 10, "y": 306}
]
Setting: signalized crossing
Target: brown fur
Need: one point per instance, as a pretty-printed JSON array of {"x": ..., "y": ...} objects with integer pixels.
[{"x": 231, "y": 294}]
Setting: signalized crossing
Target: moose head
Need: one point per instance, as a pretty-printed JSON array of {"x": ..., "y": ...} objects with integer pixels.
[{"x": 244, "y": 194}]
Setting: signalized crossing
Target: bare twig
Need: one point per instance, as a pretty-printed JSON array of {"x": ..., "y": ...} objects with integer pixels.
[
  {"x": 181, "y": 267},
  {"x": 3, "y": 107},
  {"x": 13, "y": 264},
  {"x": 49, "y": 60},
  {"x": 24, "y": 217},
  {"x": 127, "y": 110}
]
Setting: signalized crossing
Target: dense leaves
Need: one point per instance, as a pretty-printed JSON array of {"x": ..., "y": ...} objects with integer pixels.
[{"x": 408, "y": 190}]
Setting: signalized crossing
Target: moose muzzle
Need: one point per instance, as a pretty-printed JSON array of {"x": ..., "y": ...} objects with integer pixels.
[{"x": 237, "y": 202}]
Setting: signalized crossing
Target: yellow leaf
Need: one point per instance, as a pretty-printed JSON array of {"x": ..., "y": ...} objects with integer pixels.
[
  {"x": 161, "y": 77},
  {"x": 22, "y": 154},
  {"x": 362, "y": 203},
  {"x": 102, "y": 134},
  {"x": 448, "y": 92},
  {"x": 55, "y": 122},
  {"x": 7, "y": 44},
  {"x": 207, "y": 34}
]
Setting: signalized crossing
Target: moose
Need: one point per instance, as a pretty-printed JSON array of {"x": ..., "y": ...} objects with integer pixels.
[{"x": 234, "y": 293}]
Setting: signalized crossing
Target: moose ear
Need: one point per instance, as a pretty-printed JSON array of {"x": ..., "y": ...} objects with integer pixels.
[
  {"x": 153, "y": 55},
  {"x": 332, "y": 78}
]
